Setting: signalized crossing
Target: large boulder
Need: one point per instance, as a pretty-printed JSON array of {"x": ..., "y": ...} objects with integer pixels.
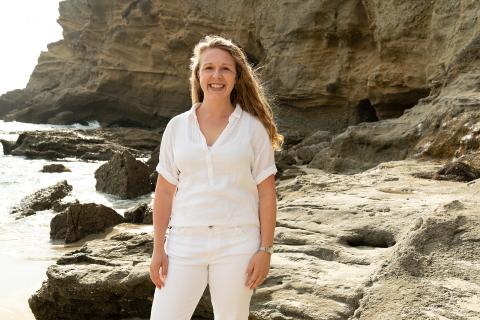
[
  {"x": 141, "y": 213},
  {"x": 42, "y": 199},
  {"x": 82, "y": 219},
  {"x": 123, "y": 176},
  {"x": 104, "y": 279}
]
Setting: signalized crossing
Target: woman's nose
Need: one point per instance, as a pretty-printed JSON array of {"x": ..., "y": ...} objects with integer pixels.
[{"x": 217, "y": 73}]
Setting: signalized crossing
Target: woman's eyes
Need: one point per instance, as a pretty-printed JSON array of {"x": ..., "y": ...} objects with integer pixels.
[{"x": 210, "y": 68}]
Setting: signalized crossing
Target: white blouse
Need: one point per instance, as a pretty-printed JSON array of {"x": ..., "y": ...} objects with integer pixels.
[{"x": 216, "y": 185}]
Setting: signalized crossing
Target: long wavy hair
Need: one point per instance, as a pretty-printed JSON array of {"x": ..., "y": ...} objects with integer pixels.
[{"x": 248, "y": 90}]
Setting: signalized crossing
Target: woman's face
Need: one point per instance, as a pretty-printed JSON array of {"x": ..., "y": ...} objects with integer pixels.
[{"x": 217, "y": 73}]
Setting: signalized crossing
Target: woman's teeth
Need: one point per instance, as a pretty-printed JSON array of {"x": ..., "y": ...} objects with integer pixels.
[{"x": 217, "y": 86}]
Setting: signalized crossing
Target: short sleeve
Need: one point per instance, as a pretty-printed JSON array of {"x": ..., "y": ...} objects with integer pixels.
[
  {"x": 166, "y": 164},
  {"x": 264, "y": 156}
]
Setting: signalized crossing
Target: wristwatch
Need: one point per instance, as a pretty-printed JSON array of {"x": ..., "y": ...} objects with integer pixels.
[{"x": 268, "y": 249}]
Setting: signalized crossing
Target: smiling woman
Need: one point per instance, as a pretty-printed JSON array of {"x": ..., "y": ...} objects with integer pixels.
[
  {"x": 26, "y": 27},
  {"x": 215, "y": 190}
]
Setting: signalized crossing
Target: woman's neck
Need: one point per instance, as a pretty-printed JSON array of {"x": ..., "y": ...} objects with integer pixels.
[{"x": 218, "y": 108}]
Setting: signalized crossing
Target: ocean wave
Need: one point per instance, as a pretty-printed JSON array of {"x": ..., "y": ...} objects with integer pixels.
[{"x": 15, "y": 126}]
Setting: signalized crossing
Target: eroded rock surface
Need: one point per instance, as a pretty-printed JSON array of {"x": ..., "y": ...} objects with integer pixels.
[
  {"x": 104, "y": 279},
  {"x": 342, "y": 63},
  {"x": 92, "y": 144},
  {"x": 336, "y": 235},
  {"x": 431, "y": 273},
  {"x": 61, "y": 144},
  {"x": 82, "y": 219},
  {"x": 123, "y": 176},
  {"x": 42, "y": 199}
]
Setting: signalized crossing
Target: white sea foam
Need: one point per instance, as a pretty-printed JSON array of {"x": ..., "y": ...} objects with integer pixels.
[{"x": 25, "y": 243}]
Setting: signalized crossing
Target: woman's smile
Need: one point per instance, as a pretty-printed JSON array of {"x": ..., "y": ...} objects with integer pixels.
[{"x": 216, "y": 86}]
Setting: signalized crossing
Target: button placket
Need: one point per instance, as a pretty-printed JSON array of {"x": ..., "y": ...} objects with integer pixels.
[
  {"x": 231, "y": 122},
  {"x": 210, "y": 168}
]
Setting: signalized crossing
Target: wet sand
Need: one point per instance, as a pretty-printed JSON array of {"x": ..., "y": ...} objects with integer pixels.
[{"x": 23, "y": 276}]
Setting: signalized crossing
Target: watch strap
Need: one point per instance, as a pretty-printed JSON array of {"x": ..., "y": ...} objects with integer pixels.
[{"x": 268, "y": 249}]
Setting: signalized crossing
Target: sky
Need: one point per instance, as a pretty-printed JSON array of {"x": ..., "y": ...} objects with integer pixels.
[{"x": 26, "y": 27}]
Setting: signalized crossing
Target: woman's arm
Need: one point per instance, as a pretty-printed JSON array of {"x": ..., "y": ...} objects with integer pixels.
[
  {"x": 267, "y": 210},
  {"x": 162, "y": 209},
  {"x": 259, "y": 265}
]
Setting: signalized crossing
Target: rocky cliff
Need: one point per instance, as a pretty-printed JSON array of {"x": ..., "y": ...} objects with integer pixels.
[
  {"x": 356, "y": 83},
  {"x": 329, "y": 63}
]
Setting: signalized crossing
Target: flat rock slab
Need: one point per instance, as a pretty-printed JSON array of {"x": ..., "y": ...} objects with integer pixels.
[{"x": 93, "y": 144}]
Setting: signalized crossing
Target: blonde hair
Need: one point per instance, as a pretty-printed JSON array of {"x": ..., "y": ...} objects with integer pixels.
[{"x": 248, "y": 91}]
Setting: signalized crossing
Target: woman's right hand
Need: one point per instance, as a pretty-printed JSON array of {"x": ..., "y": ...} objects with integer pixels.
[{"x": 159, "y": 268}]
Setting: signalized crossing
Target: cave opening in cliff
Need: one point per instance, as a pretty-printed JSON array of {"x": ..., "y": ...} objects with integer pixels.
[
  {"x": 365, "y": 112},
  {"x": 395, "y": 105}
]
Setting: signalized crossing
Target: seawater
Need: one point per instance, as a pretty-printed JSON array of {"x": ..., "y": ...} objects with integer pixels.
[{"x": 26, "y": 250}]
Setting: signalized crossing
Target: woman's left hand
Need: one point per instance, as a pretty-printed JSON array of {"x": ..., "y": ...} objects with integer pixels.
[{"x": 257, "y": 269}]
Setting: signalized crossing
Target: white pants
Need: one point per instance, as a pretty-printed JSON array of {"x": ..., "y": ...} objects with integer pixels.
[{"x": 217, "y": 255}]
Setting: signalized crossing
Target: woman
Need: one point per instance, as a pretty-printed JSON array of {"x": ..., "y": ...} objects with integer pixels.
[{"x": 215, "y": 190}]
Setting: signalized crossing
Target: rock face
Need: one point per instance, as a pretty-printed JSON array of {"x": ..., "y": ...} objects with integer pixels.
[
  {"x": 344, "y": 245},
  {"x": 139, "y": 214},
  {"x": 12, "y": 100},
  {"x": 80, "y": 220},
  {"x": 42, "y": 199},
  {"x": 342, "y": 63},
  {"x": 444, "y": 126},
  {"x": 105, "y": 279},
  {"x": 55, "y": 167},
  {"x": 430, "y": 271},
  {"x": 123, "y": 176},
  {"x": 94, "y": 144}
]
